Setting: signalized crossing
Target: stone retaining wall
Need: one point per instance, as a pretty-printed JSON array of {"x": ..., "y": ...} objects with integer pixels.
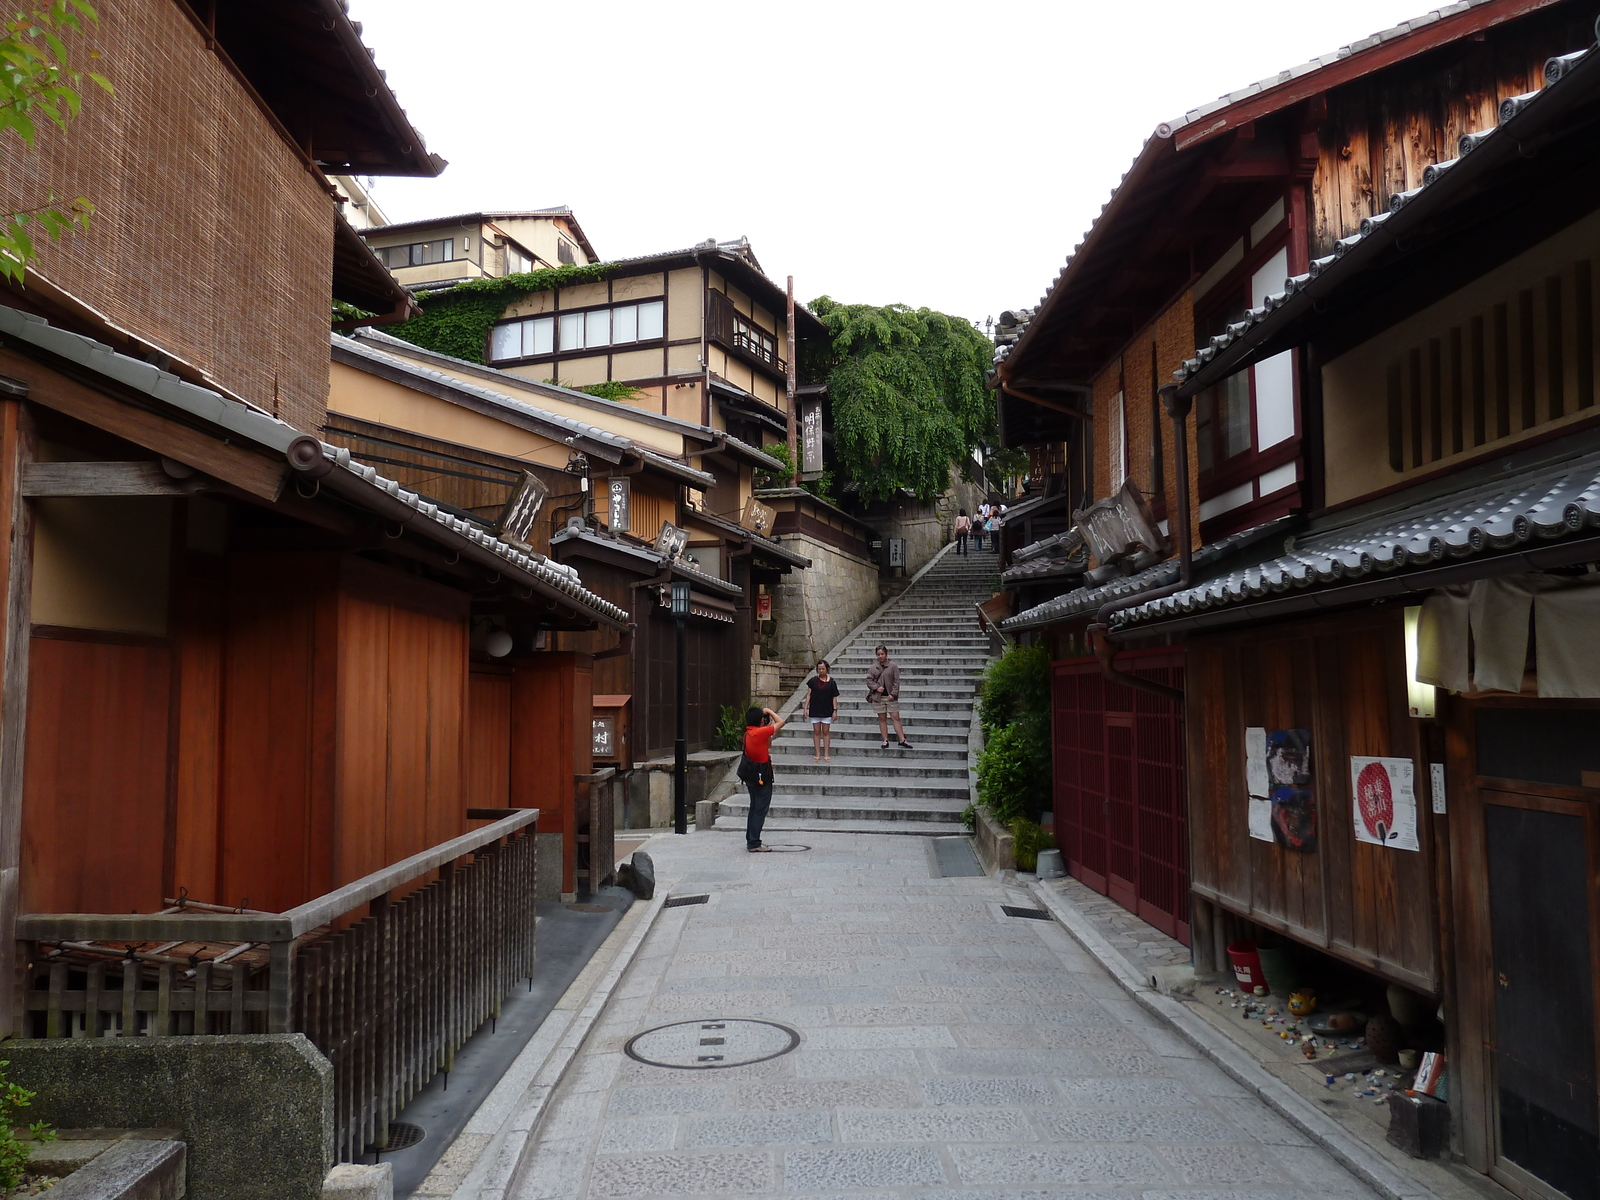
[{"x": 814, "y": 608}]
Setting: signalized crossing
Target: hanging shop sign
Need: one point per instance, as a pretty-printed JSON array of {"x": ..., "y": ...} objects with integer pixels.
[
  {"x": 1120, "y": 525},
  {"x": 617, "y": 497},
  {"x": 1384, "y": 801},
  {"x": 516, "y": 522},
  {"x": 757, "y": 517},
  {"x": 605, "y": 737},
  {"x": 764, "y": 606},
  {"x": 671, "y": 541}
]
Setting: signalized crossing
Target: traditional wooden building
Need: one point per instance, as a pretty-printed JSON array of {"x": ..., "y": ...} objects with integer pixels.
[
  {"x": 617, "y": 473},
  {"x": 236, "y": 712},
  {"x": 1376, "y": 697},
  {"x": 1219, "y": 207}
]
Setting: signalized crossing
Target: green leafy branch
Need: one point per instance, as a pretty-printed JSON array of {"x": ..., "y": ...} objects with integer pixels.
[
  {"x": 908, "y": 393},
  {"x": 39, "y": 83},
  {"x": 456, "y": 320}
]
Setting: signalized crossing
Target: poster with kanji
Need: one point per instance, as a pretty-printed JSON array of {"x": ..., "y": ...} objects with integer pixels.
[{"x": 1384, "y": 801}]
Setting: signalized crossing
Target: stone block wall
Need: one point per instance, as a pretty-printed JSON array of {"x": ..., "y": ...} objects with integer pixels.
[{"x": 815, "y": 608}]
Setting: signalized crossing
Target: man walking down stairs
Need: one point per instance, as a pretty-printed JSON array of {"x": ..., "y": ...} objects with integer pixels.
[{"x": 932, "y": 635}]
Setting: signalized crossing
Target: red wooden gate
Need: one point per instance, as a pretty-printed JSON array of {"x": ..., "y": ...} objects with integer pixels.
[{"x": 1120, "y": 800}]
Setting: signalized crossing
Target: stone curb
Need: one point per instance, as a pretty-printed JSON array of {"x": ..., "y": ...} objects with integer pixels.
[
  {"x": 799, "y": 695},
  {"x": 1350, "y": 1152},
  {"x": 499, "y": 1167}
]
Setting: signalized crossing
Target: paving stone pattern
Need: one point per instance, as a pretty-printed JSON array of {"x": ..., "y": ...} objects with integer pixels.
[
  {"x": 1144, "y": 946},
  {"x": 947, "y": 1050}
]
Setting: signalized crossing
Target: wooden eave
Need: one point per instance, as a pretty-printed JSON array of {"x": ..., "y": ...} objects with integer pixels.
[
  {"x": 1081, "y": 322},
  {"x": 305, "y": 62},
  {"x": 360, "y": 279}
]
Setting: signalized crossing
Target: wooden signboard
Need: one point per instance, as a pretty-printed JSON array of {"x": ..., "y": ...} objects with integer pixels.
[
  {"x": 757, "y": 517},
  {"x": 671, "y": 541},
  {"x": 810, "y": 436},
  {"x": 617, "y": 497},
  {"x": 516, "y": 522}
]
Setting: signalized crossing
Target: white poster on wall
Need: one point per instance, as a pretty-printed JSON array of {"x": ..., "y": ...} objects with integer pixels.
[
  {"x": 1383, "y": 803},
  {"x": 1256, "y": 783}
]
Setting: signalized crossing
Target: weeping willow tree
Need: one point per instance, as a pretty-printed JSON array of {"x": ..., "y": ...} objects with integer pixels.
[{"x": 908, "y": 395}]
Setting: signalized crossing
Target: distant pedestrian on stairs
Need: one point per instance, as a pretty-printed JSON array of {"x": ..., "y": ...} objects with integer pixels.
[
  {"x": 978, "y": 525},
  {"x": 822, "y": 705},
  {"x": 883, "y": 693},
  {"x": 761, "y": 725},
  {"x": 963, "y": 528}
]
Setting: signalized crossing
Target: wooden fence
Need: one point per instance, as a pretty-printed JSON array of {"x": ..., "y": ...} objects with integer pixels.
[{"x": 388, "y": 995}]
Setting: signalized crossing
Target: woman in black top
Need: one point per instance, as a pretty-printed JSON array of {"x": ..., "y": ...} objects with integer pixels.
[{"x": 822, "y": 705}]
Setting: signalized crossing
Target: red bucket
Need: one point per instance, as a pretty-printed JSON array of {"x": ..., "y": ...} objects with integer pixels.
[{"x": 1247, "y": 965}]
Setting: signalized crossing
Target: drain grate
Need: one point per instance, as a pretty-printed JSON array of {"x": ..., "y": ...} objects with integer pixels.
[
  {"x": 1032, "y": 914},
  {"x": 403, "y": 1136},
  {"x": 680, "y": 901},
  {"x": 708, "y": 1044}
]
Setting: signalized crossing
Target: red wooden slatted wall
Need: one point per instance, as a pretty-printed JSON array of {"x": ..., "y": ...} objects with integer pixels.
[{"x": 1120, "y": 799}]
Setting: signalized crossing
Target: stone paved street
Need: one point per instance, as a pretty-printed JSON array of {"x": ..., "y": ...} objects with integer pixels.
[{"x": 946, "y": 1050}]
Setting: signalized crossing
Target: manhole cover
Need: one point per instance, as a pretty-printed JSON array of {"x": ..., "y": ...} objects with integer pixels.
[
  {"x": 706, "y": 1045},
  {"x": 403, "y": 1136}
]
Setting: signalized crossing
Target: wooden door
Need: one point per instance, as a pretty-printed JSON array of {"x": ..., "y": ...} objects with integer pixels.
[
  {"x": 1540, "y": 853},
  {"x": 1121, "y": 807},
  {"x": 1120, "y": 791}
]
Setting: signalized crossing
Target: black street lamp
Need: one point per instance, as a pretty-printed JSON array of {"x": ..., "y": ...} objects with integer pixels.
[{"x": 680, "y": 756}]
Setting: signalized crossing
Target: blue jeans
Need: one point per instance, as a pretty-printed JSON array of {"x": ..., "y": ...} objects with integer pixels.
[{"x": 760, "y": 801}]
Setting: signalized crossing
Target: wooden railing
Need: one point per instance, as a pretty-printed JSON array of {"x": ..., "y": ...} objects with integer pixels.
[{"x": 388, "y": 996}]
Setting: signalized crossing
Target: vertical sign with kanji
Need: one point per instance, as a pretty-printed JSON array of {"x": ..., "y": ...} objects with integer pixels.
[
  {"x": 810, "y": 436},
  {"x": 617, "y": 503}
]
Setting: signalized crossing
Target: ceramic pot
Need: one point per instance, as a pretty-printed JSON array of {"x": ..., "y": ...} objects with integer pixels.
[
  {"x": 1406, "y": 1006},
  {"x": 1278, "y": 967},
  {"x": 1384, "y": 1037}
]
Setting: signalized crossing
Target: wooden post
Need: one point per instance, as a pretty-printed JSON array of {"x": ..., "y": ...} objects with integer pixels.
[
  {"x": 16, "y": 578},
  {"x": 789, "y": 386}
]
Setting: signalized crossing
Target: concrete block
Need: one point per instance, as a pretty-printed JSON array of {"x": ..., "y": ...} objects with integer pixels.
[
  {"x": 359, "y": 1181},
  {"x": 256, "y": 1111},
  {"x": 660, "y": 799},
  {"x": 131, "y": 1170},
  {"x": 996, "y": 846},
  {"x": 547, "y": 855},
  {"x": 637, "y": 804},
  {"x": 705, "y": 814}
]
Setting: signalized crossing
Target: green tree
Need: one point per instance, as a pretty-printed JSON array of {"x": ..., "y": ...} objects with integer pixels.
[
  {"x": 908, "y": 392},
  {"x": 39, "y": 83}
]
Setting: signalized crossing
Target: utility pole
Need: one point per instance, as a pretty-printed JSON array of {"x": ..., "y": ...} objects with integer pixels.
[
  {"x": 680, "y": 750},
  {"x": 794, "y": 423}
]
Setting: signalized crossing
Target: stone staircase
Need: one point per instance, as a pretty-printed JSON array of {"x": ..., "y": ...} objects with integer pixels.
[{"x": 932, "y": 633}]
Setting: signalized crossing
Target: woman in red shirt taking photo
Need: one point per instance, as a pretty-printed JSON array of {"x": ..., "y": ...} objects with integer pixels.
[{"x": 755, "y": 769}]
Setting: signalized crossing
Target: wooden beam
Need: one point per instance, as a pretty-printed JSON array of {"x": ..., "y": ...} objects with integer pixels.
[
  {"x": 256, "y": 473},
  {"x": 16, "y": 586},
  {"x": 1250, "y": 170},
  {"x": 104, "y": 479},
  {"x": 1052, "y": 405}
]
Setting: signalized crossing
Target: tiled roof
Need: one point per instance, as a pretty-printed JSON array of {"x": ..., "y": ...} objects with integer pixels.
[
  {"x": 1164, "y": 132},
  {"x": 1086, "y": 600},
  {"x": 648, "y": 555},
  {"x": 276, "y": 435},
  {"x": 1045, "y": 568},
  {"x": 1329, "y": 271},
  {"x": 1542, "y": 503}
]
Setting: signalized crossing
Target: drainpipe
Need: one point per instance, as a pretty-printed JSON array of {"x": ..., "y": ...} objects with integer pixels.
[{"x": 1100, "y": 633}]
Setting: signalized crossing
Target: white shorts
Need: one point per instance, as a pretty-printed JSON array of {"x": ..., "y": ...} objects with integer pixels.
[{"x": 822, "y": 720}]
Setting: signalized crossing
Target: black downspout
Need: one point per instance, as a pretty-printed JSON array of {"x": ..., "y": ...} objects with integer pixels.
[{"x": 1100, "y": 633}]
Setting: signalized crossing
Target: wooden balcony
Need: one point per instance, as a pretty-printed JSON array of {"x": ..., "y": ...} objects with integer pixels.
[{"x": 388, "y": 989}]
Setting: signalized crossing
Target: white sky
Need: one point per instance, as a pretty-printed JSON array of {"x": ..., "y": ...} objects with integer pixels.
[{"x": 943, "y": 155}]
